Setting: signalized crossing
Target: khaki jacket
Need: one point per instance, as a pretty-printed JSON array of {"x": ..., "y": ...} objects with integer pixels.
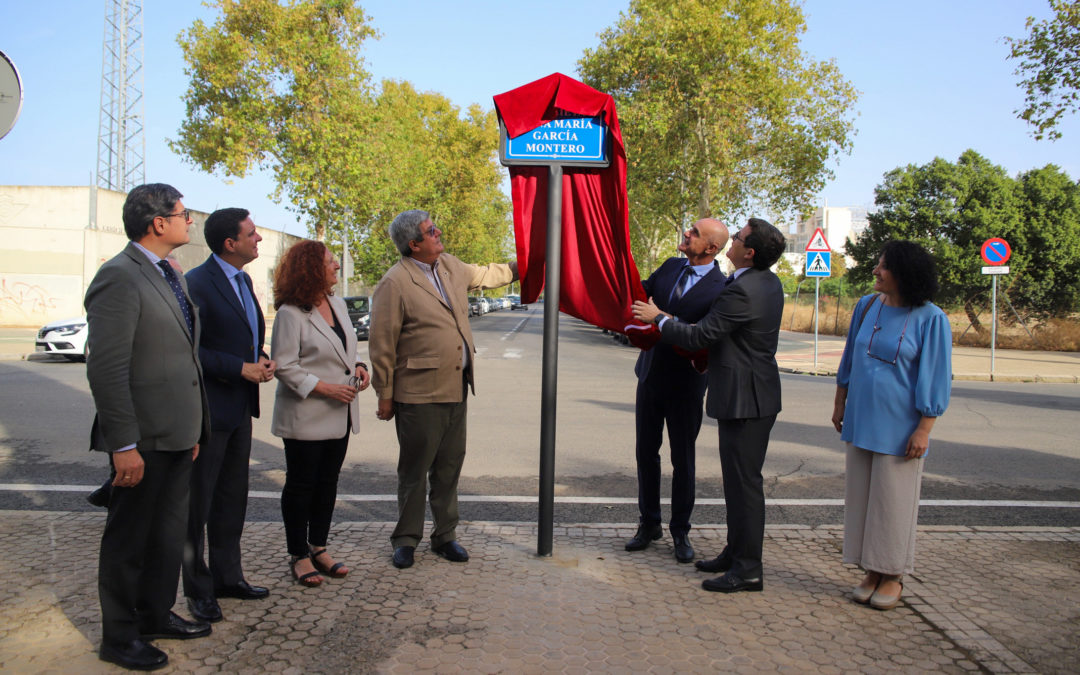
[{"x": 416, "y": 339}]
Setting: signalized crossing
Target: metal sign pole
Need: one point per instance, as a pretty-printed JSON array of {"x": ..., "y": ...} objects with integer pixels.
[
  {"x": 817, "y": 292},
  {"x": 993, "y": 323},
  {"x": 549, "y": 377}
]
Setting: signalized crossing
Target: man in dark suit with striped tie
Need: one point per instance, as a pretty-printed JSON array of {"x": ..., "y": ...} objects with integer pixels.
[
  {"x": 235, "y": 364},
  {"x": 144, "y": 373},
  {"x": 741, "y": 331},
  {"x": 670, "y": 390}
]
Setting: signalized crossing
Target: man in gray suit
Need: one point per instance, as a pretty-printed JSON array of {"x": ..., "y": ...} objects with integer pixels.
[{"x": 148, "y": 389}]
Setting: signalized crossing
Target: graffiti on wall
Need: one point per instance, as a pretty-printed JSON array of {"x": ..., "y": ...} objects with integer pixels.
[{"x": 23, "y": 299}]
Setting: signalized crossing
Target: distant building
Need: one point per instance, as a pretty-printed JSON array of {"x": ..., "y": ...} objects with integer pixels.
[
  {"x": 55, "y": 238},
  {"x": 839, "y": 223}
]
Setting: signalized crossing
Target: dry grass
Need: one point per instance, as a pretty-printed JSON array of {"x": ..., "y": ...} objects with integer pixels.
[{"x": 1056, "y": 335}]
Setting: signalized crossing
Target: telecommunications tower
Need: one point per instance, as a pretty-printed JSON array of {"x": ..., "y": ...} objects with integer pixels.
[{"x": 121, "y": 143}]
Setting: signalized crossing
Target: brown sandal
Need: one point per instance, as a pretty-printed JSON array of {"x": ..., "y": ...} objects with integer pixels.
[
  {"x": 337, "y": 570},
  {"x": 311, "y": 579}
]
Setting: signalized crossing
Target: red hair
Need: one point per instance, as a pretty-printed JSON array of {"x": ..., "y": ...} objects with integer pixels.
[{"x": 300, "y": 277}]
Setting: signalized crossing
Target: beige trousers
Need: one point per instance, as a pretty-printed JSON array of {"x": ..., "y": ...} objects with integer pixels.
[{"x": 881, "y": 510}]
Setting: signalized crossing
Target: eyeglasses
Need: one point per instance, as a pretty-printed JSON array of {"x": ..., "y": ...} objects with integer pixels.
[
  {"x": 738, "y": 237},
  {"x": 877, "y": 327},
  {"x": 432, "y": 231},
  {"x": 186, "y": 213}
]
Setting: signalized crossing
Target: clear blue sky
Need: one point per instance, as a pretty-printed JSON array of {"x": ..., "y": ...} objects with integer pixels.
[{"x": 933, "y": 79}]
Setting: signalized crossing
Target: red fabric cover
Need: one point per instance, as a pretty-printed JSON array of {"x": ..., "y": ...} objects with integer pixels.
[{"x": 600, "y": 281}]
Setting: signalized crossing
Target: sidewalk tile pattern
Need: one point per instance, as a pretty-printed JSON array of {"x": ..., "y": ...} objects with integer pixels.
[{"x": 998, "y": 600}]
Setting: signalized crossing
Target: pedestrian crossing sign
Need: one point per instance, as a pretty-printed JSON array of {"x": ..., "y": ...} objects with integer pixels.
[{"x": 818, "y": 263}]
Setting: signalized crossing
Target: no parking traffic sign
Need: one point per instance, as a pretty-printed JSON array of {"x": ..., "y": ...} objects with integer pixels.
[{"x": 996, "y": 251}]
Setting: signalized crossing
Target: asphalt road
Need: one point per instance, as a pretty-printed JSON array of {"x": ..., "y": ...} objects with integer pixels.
[{"x": 997, "y": 442}]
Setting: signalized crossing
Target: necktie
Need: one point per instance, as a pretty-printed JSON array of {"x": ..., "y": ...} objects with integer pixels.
[
  {"x": 249, "y": 311},
  {"x": 681, "y": 283},
  {"x": 178, "y": 291},
  {"x": 730, "y": 280}
]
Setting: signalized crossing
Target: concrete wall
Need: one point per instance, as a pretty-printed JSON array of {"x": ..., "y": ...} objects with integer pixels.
[{"x": 54, "y": 239}]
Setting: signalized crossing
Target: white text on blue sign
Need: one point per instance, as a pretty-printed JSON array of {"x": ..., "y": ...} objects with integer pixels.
[{"x": 567, "y": 139}]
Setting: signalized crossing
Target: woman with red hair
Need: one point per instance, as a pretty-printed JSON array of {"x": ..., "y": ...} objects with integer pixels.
[{"x": 315, "y": 406}]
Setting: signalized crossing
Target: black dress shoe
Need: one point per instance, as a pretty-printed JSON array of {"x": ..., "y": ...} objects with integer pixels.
[
  {"x": 205, "y": 609},
  {"x": 717, "y": 565},
  {"x": 134, "y": 655},
  {"x": 176, "y": 628},
  {"x": 242, "y": 590},
  {"x": 452, "y": 551},
  {"x": 100, "y": 496},
  {"x": 732, "y": 583},
  {"x": 403, "y": 557},
  {"x": 646, "y": 534},
  {"x": 684, "y": 552}
]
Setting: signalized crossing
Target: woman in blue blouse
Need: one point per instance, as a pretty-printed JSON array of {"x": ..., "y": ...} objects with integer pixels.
[{"x": 893, "y": 383}]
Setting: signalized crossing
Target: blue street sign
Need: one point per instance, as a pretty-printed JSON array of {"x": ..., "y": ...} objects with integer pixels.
[
  {"x": 818, "y": 263},
  {"x": 566, "y": 140}
]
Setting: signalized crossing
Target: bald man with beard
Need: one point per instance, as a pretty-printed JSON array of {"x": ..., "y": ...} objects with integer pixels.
[{"x": 670, "y": 390}]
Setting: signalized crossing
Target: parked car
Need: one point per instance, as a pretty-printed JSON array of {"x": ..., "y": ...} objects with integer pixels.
[
  {"x": 66, "y": 337},
  {"x": 477, "y": 307},
  {"x": 515, "y": 302},
  {"x": 359, "y": 307},
  {"x": 489, "y": 306}
]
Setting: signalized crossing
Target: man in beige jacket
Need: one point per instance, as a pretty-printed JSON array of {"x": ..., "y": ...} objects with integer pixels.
[{"x": 421, "y": 350}]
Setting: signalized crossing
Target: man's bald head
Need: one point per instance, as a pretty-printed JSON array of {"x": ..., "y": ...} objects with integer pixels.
[{"x": 703, "y": 241}]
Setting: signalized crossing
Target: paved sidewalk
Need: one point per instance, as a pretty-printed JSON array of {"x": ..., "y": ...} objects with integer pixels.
[
  {"x": 968, "y": 363},
  {"x": 999, "y": 600}
]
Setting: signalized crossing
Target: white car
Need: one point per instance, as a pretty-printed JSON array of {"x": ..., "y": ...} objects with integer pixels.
[{"x": 66, "y": 337}]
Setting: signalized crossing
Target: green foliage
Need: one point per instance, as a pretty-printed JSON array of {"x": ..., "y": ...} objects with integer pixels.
[
  {"x": 951, "y": 209},
  {"x": 720, "y": 110},
  {"x": 283, "y": 87},
  {"x": 459, "y": 183},
  {"x": 1050, "y": 68}
]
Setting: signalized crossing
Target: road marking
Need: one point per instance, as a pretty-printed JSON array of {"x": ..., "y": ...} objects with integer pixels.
[
  {"x": 529, "y": 499},
  {"x": 516, "y": 329},
  {"x": 512, "y": 354}
]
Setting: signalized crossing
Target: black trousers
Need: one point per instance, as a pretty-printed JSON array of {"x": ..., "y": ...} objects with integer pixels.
[
  {"x": 742, "y": 454},
  {"x": 680, "y": 409},
  {"x": 218, "y": 507},
  {"x": 142, "y": 545},
  {"x": 307, "y": 500}
]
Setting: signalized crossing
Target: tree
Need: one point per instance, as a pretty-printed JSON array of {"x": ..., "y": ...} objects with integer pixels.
[
  {"x": 440, "y": 161},
  {"x": 282, "y": 88},
  {"x": 720, "y": 110},
  {"x": 951, "y": 209},
  {"x": 1050, "y": 68}
]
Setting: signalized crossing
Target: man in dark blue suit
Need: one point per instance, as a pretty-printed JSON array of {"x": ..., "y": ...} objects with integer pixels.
[
  {"x": 671, "y": 390},
  {"x": 741, "y": 331},
  {"x": 235, "y": 363}
]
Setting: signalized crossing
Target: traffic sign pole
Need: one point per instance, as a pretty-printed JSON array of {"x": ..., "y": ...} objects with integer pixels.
[
  {"x": 993, "y": 324},
  {"x": 817, "y": 293},
  {"x": 995, "y": 252}
]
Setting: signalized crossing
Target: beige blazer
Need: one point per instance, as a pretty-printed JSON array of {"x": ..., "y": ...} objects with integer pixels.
[
  {"x": 307, "y": 350},
  {"x": 416, "y": 339}
]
